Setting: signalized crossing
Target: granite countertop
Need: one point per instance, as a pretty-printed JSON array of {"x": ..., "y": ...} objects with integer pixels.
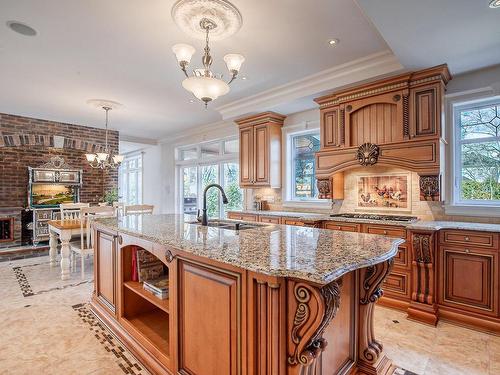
[
  {"x": 459, "y": 225},
  {"x": 415, "y": 225},
  {"x": 315, "y": 255},
  {"x": 302, "y": 216}
]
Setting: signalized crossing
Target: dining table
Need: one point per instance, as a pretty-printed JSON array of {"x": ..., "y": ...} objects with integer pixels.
[{"x": 64, "y": 230}]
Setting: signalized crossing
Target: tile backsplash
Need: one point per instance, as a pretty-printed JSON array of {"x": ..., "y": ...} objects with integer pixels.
[{"x": 425, "y": 210}]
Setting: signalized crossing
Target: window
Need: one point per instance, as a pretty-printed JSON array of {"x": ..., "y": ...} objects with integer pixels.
[
  {"x": 477, "y": 153},
  {"x": 130, "y": 180},
  {"x": 302, "y": 147},
  {"x": 208, "y": 163}
]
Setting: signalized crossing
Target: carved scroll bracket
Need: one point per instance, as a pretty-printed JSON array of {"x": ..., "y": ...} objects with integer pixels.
[
  {"x": 315, "y": 308},
  {"x": 371, "y": 358},
  {"x": 324, "y": 188}
]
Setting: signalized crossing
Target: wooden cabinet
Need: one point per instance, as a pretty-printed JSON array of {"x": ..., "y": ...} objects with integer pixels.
[
  {"x": 425, "y": 110},
  {"x": 246, "y": 156},
  {"x": 469, "y": 279},
  {"x": 105, "y": 270},
  {"x": 260, "y": 150},
  {"x": 210, "y": 322},
  {"x": 332, "y": 128},
  {"x": 242, "y": 216},
  {"x": 346, "y": 227},
  {"x": 270, "y": 219},
  {"x": 291, "y": 221}
]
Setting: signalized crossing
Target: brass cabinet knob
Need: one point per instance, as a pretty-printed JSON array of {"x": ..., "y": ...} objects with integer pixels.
[
  {"x": 385, "y": 232},
  {"x": 467, "y": 238},
  {"x": 467, "y": 251}
]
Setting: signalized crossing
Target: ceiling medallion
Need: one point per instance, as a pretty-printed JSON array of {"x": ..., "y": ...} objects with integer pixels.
[
  {"x": 211, "y": 18},
  {"x": 367, "y": 154},
  {"x": 188, "y": 14}
]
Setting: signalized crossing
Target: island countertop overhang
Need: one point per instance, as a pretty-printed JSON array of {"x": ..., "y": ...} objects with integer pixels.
[{"x": 309, "y": 254}]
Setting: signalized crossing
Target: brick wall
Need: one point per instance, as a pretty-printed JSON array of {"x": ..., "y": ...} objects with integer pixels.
[{"x": 27, "y": 142}]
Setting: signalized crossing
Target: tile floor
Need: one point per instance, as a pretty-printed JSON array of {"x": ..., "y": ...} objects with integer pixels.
[{"x": 47, "y": 328}]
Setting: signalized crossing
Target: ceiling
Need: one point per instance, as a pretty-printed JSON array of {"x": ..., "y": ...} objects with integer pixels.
[
  {"x": 121, "y": 50},
  {"x": 424, "y": 33}
]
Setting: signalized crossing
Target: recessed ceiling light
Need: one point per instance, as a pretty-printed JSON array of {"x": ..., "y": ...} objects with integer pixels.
[
  {"x": 244, "y": 78},
  {"x": 21, "y": 28},
  {"x": 191, "y": 100},
  {"x": 333, "y": 42},
  {"x": 494, "y": 4}
]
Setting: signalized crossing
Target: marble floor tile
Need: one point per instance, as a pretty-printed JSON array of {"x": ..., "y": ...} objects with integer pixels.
[{"x": 52, "y": 331}]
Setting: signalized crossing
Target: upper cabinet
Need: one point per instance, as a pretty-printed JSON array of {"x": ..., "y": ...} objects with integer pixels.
[
  {"x": 395, "y": 122},
  {"x": 260, "y": 150}
]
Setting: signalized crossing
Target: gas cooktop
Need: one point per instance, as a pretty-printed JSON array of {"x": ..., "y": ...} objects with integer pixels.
[{"x": 407, "y": 219}]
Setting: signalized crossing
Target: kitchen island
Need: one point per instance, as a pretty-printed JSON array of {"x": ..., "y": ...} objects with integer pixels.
[{"x": 265, "y": 299}]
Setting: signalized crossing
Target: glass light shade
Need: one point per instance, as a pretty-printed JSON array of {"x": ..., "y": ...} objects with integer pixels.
[
  {"x": 117, "y": 159},
  {"x": 90, "y": 157},
  {"x": 206, "y": 87},
  {"x": 234, "y": 61},
  {"x": 183, "y": 52},
  {"x": 101, "y": 156}
]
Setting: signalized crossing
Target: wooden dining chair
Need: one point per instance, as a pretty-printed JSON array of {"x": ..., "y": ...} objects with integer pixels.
[
  {"x": 139, "y": 209},
  {"x": 71, "y": 211},
  {"x": 84, "y": 246}
]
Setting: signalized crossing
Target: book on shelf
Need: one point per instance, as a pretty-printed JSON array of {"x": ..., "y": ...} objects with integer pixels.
[
  {"x": 159, "y": 287},
  {"x": 149, "y": 267}
]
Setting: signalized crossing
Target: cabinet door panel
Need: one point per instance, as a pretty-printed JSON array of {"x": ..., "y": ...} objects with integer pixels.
[
  {"x": 331, "y": 129},
  {"x": 105, "y": 267},
  {"x": 246, "y": 156},
  {"x": 261, "y": 154},
  {"x": 469, "y": 279},
  {"x": 397, "y": 284},
  {"x": 425, "y": 111},
  {"x": 209, "y": 320}
]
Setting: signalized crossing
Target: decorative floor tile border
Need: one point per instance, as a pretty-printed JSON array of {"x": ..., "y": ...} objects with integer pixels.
[
  {"x": 25, "y": 285},
  {"x": 124, "y": 359}
]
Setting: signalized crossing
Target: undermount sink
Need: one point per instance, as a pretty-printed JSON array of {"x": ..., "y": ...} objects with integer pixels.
[{"x": 231, "y": 225}]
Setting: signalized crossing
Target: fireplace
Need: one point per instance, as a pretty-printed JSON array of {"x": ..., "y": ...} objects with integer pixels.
[
  {"x": 10, "y": 226},
  {"x": 7, "y": 229}
]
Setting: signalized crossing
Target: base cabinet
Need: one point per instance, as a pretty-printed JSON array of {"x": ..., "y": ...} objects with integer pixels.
[
  {"x": 469, "y": 279},
  {"x": 210, "y": 331},
  {"x": 105, "y": 270}
]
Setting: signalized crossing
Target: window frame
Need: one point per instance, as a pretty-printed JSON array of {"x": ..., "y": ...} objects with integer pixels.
[
  {"x": 457, "y": 143},
  {"x": 125, "y": 171},
  {"x": 199, "y": 163},
  {"x": 289, "y": 199}
]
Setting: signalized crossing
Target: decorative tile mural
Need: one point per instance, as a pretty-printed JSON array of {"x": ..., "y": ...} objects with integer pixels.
[{"x": 388, "y": 191}]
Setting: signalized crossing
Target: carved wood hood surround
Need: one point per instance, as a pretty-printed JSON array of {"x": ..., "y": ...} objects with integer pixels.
[{"x": 394, "y": 122}]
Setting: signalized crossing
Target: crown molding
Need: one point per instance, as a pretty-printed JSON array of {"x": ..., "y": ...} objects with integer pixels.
[
  {"x": 355, "y": 71},
  {"x": 133, "y": 139},
  {"x": 202, "y": 130}
]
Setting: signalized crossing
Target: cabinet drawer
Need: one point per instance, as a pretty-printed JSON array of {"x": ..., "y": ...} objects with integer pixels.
[
  {"x": 386, "y": 230},
  {"x": 346, "y": 227},
  {"x": 397, "y": 284},
  {"x": 401, "y": 258},
  {"x": 241, "y": 216},
  {"x": 43, "y": 214},
  {"x": 469, "y": 238},
  {"x": 270, "y": 219},
  {"x": 291, "y": 221}
]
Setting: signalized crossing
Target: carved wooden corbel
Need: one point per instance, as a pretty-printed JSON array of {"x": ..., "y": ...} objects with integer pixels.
[
  {"x": 314, "y": 310},
  {"x": 423, "y": 304},
  {"x": 371, "y": 358}
]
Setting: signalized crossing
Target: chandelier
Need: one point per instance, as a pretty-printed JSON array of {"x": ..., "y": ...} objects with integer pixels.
[
  {"x": 104, "y": 160},
  {"x": 199, "y": 19}
]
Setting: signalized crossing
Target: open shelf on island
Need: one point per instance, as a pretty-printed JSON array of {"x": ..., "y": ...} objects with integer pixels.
[
  {"x": 137, "y": 287},
  {"x": 153, "y": 326}
]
